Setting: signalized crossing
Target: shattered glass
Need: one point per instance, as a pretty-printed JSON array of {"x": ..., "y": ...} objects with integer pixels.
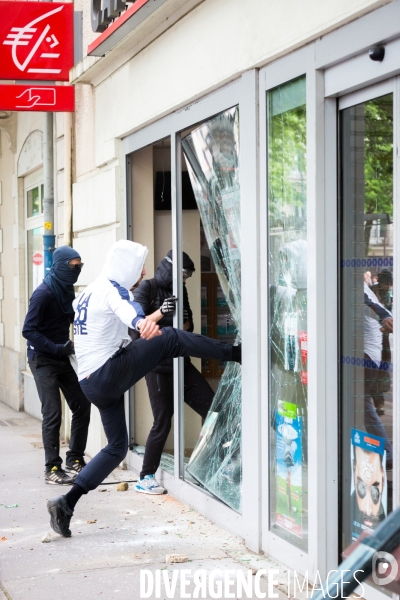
[
  {"x": 287, "y": 267},
  {"x": 212, "y": 155}
]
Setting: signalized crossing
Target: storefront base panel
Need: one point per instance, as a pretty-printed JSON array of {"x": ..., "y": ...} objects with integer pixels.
[
  {"x": 199, "y": 500},
  {"x": 10, "y": 380}
]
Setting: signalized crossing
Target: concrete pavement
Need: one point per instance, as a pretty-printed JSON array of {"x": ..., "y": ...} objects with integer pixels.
[{"x": 115, "y": 534}]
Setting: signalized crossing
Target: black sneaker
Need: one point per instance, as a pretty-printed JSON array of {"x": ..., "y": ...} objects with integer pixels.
[
  {"x": 75, "y": 467},
  {"x": 57, "y": 476},
  {"x": 60, "y": 515}
]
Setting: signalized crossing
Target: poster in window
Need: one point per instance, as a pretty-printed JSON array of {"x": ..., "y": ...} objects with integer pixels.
[
  {"x": 368, "y": 500},
  {"x": 289, "y": 429}
]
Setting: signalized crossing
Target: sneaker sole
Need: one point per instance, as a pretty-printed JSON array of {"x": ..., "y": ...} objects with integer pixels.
[
  {"x": 52, "y": 510},
  {"x": 58, "y": 483},
  {"x": 141, "y": 491}
]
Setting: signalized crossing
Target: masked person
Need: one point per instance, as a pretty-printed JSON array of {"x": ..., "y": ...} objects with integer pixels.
[
  {"x": 46, "y": 330},
  {"x": 154, "y": 296},
  {"x": 109, "y": 362}
]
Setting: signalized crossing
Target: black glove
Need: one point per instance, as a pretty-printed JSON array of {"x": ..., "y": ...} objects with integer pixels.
[
  {"x": 67, "y": 349},
  {"x": 185, "y": 315},
  {"x": 168, "y": 307}
]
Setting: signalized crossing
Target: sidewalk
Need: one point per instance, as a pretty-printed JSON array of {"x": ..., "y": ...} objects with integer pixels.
[{"x": 114, "y": 534}]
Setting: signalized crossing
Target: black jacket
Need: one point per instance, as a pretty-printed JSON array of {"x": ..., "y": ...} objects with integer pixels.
[
  {"x": 46, "y": 327},
  {"x": 151, "y": 302}
]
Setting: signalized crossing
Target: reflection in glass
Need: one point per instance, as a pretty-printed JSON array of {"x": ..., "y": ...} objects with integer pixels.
[
  {"x": 212, "y": 156},
  {"x": 35, "y": 258},
  {"x": 366, "y": 315},
  {"x": 34, "y": 207},
  {"x": 287, "y": 268}
]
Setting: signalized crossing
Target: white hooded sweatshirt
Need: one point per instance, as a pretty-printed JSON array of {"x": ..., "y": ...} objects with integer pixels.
[{"x": 105, "y": 310}]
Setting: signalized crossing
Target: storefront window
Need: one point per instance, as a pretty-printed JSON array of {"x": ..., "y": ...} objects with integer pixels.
[
  {"x": 287, "y": 276},
  {"x": 367, "y": 285},
  {"x": 34, "y": 200},
  {"x": 35, "y": 258},
  {"x": 212, "y": 157}
]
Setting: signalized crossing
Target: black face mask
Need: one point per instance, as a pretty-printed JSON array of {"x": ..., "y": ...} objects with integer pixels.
[{"x": 62, "y": 277}]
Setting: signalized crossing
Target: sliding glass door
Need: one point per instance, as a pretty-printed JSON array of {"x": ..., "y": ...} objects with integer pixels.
[{"x": 367, "y": 241}]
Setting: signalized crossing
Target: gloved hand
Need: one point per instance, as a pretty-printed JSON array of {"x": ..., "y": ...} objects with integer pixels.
[
  {"x": 168, "y": 307},
  {"x": 66, "y": 349},
  {"x": 185, "y": 315}
]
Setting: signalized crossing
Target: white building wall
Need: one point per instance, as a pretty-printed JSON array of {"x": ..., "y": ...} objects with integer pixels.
[{"x": 213, "y": 44}]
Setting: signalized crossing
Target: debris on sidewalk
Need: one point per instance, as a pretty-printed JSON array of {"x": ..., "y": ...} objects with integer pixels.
[
  {"x": 176, "y": 558},
  {"x": 49, "y": 537},
  {"x": 122, "y": 487},
  {"x": 91, "y": 522},
  {"x": 10, "y": 505}
]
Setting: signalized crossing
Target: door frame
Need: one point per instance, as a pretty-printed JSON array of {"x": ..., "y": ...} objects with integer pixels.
[
  {"x": 243, "y": 92},
  {"x": 369, "y": 92},
  {"x": 321, "y": 302}
]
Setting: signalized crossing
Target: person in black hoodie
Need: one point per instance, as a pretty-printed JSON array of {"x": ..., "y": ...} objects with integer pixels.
[
  {"x": 155, "y": 297},
  {"x": 46, "y": 329}
]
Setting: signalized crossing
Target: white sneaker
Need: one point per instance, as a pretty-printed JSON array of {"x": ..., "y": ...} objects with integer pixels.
[{"x": 149, "y": 485}]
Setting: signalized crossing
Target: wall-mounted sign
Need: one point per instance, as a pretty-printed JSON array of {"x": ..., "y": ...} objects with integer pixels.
[
  {"x": 44, "y": 98},
  {"x": 36, "y": 40},
  {"x": 111, "y": 18},
  {"x": 104, "y": 12}
]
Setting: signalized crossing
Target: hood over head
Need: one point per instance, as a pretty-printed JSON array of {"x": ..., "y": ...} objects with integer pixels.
[
  {"x": 61, "y": 278},
  {"x": 163, "y": 274},
  {"x": 124, "y": 263}
]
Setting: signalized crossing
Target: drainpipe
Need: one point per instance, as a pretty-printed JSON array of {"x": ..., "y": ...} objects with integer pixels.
[
  {"x": 67, "y": 179},
  {"x": 49, "y": 238}
]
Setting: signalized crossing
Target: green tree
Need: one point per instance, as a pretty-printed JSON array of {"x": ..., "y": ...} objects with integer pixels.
[{"x": 378, "y": 161}]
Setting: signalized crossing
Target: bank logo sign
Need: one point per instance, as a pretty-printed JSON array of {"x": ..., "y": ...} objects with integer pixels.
[{"x": 36, "y": 40}]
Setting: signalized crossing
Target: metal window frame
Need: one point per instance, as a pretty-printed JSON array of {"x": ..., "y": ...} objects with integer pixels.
[
  {"x": 321, "y": 392},
  {"x": 243, "y": 92},
  {"x": 369, "y": 92}
]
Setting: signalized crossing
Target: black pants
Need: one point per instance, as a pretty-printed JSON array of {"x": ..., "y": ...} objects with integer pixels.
[
  {"x": 51, "y": 375},
  {"x": 106, "y": 386},
  {"x": 197, "y": 394}
]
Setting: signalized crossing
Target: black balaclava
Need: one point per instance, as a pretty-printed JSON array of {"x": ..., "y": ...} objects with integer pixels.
[
  {"x": 163, "y": 274},
  {"x": 61, "y": 278}
]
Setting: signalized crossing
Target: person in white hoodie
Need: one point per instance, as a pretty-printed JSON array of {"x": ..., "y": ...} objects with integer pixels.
[{"x": 109, "y": 362}]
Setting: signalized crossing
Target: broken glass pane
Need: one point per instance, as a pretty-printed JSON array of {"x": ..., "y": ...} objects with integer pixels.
[
  {"x": 212, "y": 156},
  {"x": 287, "y": 267}
]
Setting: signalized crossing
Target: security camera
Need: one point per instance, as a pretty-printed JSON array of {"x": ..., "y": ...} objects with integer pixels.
[{"x": 377, "y": 53}]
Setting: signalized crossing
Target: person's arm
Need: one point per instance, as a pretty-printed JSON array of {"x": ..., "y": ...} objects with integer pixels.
[
  {"x": 384, "y": 316},
  {"x": 166, "y": 312},
  {"x": 142, "y": 295},
  {"x": 36, "y": 316},
  {"x": 155, "y": 316},
  {"x": 131, "y": 314}
]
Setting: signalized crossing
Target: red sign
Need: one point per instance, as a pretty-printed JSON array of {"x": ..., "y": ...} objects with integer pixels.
[
  {"x": 303, "y": 346},
  {"x": 304, "y": 377},
  {"x": 36, "y": 40},
  {"x": 37, "y": 259},
  {"x": 44, "y": 98}
]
